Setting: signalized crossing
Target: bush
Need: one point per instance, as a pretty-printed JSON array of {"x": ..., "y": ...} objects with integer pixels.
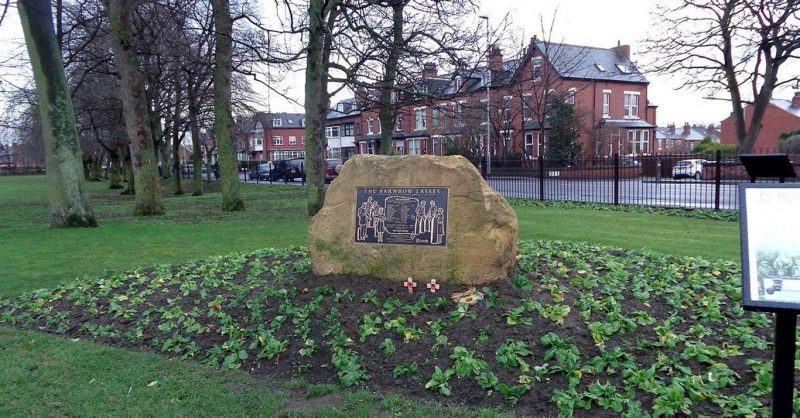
[
  {"x": 790, "y": 145},
  {"x": 708, "y": 149}
]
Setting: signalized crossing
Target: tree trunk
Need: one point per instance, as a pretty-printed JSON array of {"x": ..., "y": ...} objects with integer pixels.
[
  {"x": 223, "y": 122},
  {"x": 322, "y": 15},
  {"x": 197, "y": 151},
  {"x": 114, "y": 173},
  {"x": 176, "y": 141},
  {"x": 135, "y": 112},
  {"x": 385, "y": 114},
  {"x": 69, "y": 200}
]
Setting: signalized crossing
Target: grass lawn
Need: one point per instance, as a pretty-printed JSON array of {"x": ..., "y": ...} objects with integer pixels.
[{"x": 55, "y": 376}]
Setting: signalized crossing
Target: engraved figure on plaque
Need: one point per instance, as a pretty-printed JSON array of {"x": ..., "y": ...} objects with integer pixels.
[{"x": 402, "y": 215}]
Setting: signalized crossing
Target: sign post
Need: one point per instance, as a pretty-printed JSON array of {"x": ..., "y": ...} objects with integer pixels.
[{"x": 770, "y": 234}]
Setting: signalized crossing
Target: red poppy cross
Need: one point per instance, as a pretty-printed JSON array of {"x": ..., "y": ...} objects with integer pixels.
[
  {"x": 433, "y": 286},
  {"x": 410, "y": 285}
]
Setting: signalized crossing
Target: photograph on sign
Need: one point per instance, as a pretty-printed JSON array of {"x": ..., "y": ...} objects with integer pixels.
[
  {"x": 402, "y": 215},
  {"x": 770, "y": 245}
]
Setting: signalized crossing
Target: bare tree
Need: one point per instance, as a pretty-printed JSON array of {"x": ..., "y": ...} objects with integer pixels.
[
  {"x": 69, "y": 200},
  {"x": 135, "y": 108},
  {"x": 732, "y": 49}
]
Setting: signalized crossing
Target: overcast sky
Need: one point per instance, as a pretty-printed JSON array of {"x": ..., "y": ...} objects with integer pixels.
[{"x": 582, "y": 22}]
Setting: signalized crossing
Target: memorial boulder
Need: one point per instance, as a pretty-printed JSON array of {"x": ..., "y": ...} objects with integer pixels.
[{"x": 425, "y": 217}]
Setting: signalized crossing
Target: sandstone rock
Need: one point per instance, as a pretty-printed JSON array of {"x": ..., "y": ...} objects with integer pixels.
[{"x": 479, "y": 246}]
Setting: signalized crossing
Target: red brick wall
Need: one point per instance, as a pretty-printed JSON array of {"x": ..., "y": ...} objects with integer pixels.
[
  {"x": 270, "y": 132},
  {"x": 776, "y": 121}
]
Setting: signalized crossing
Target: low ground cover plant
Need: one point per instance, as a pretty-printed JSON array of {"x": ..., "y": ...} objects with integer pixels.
[
  {"x": 721, "y": 215},
  {"x": 578, "y": 329}
]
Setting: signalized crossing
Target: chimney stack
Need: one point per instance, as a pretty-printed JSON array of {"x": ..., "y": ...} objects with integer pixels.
[
  {"x": 624, "y": 50},
  {"x": 687, "y": 130},
  {"x": 496, "y": 60},
  {"x": 429, "y": 70},
  {"x": 796, "y": 99},
  {"x": 671, "y": 128}
]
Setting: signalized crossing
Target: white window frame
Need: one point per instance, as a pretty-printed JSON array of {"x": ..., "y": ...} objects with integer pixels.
[
  {"x": 606, "y": 104},
  {"x": 420, "y": 118},
  {"x": 457, "y": 84},
  {"x": 536, "y": 64},
  {"x": 458, "y": 112},
  {"x": 277, "y": 140},
  {"x": 414, "y": 146},
  {"x": 303, "y": 123},
  {"x": 370, "y": 127},
  {"x": 437, "y": 117},
  {"x": 631, "y": 110},
  {"x": 292, "y": 140},
  {"x": 528, "y": 146},
  {"x": 303, "y": 139},
  {"x": 348, "y": 129},
  {"x": 332, "y": 131},
  {"x": 398, "y": 122},
  {"x": 277, "y": 123},
  {"x": 527, "y": 106},
  {"x": 571, "y": 93},
  {"x": 399, "y": 147}
]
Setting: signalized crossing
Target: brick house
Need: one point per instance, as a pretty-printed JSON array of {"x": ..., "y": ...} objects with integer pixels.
[
  {"x": 342, "y": 128},
  {"x": 607, "y": 90},
  {"x": 272, "y": 136},
  {"x": 781, "y": 116},
  {"x": 672, "y": 140}
]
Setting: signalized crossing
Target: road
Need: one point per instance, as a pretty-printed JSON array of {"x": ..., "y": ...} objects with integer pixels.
[{"x": 688, "y": 193}]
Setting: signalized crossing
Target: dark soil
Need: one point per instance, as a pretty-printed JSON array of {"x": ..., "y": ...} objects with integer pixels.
[{"x": 227, "y": 304}]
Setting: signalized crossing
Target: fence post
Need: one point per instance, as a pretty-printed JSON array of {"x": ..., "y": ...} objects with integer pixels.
[
  {"x": 303, "y": 174},
  {"x": 616, "y": 179},
  {"x": 718, "y": 180},
  {"x": 541, "y": 178}
]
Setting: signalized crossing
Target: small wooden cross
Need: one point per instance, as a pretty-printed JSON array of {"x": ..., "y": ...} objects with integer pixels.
[
  {"x": 433, "y": 286},
  {"x": 410, "y": 285}
]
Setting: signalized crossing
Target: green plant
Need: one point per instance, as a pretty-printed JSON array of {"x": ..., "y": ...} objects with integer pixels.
[
  {"x": 405, "y": 371},
  {"x": 511, "y": 394},
  {"x": 512, "y": 353},
  {"x": 439, "y": 381},
  {"x": 466, "y": 363}
]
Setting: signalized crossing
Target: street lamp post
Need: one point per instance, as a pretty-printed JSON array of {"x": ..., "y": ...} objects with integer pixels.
[{"x": 488, "y": 106}]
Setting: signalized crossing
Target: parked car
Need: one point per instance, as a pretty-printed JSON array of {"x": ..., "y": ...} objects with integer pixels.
[
  {"x": 629, "y": 162},
  {"x": 688, "y": 169},
  {"x": 261, "y": 172},
  {"x": 289, "y": 170},
  {"x": 332, "y": 168}
]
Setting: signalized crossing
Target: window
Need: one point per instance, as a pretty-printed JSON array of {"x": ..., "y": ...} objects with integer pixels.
[
  {"x": 541, "y": 140},
  {"x": 623, "y": 69},
  {"x": 529, "y": 144},
  {"x": 600, "y": 68},
  {"x": 292, "y": 140},
  {"x": 536, "y": 69},
  {"x": 438, "y": 117},
  {"x": 332, "y": 132},
  {"x": 458, "y": 113},
  {"x": 283, "y": 155},
  {"x": 303, "y": 139},
  {"x": 506, "y": 111},
  {"x": 277, "y": 122},
  {"x": 420, "y": 120},
  {"x": 570, "y": 97},
  {"x": 638, "y": 142},
  {"x": 438, "y": 145},
  {"x": 631, "y": 104},
  {"x": 506, "y": 135},
  {"x": 413, "y": 146},
  {"x": 457, "y": 86},
  {"x": 399, "y": 147},
  {"x": 398, "y": 123},
  {"x": 259, "y": 142},
  {"x": 527, "y": 111},
  {"x": 606, "y": 103},
  {"x": 348, "y": 129},
  {"x": 277, "y": 140},
  {"x": 303, "y": 123},
  {"x": 369, "y": 126}
]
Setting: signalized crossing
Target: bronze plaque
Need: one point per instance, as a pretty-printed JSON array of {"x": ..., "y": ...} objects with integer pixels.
[{"x": 402, "y": 215}]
